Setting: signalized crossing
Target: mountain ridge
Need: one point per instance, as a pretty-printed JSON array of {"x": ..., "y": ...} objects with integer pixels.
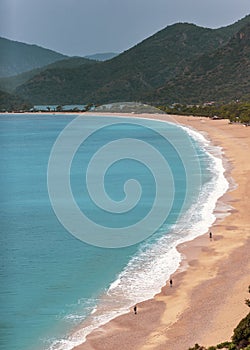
[
  {"x": 139, "y": 73},
  {"x": 102, "y": 56},
  {"x": 9, "y": 84},
  {"x": 17, "y": 57},
  {"x": 221, "y": 69}
]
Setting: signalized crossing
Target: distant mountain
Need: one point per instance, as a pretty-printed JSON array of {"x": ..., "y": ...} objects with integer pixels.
[
  {"x": 102, "y": 56},
  {"x": 9, "y": 84},
  {"x": 69, "y": 62},
  {"x": 17, "y": 57},
  {"x": 155, "y": 70}
]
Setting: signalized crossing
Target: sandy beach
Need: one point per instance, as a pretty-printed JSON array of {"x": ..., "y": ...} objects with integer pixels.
[{"x": 206, "y": 301}]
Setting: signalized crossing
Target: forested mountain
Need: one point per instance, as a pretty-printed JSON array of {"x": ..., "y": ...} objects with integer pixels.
[
  {"x": 222, "y": 75},
  {"x": 181, "y": 63},
  {"x": 17, "y": 57},
  {"x": 9, "y": 102},
  {"x": 9, "y": 84}
]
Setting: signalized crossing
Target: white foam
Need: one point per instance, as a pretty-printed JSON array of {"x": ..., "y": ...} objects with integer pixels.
[{"x": 115, "y": 284}]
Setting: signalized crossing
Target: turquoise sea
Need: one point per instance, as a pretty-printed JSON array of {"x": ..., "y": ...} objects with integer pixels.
[{"x": 55, "y": 287}]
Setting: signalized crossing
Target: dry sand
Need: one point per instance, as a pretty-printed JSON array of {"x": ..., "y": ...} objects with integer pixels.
[{"x": 207, "y": 298}]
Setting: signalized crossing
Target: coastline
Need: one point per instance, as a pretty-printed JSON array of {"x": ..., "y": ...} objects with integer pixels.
[{"x": 210, "y": 286}]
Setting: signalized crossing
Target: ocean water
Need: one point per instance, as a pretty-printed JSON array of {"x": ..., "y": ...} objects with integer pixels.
[{"x": 56, "y": 288}]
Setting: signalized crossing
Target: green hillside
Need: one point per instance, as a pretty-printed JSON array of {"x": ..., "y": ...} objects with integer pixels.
[
  {"x": 129, "y": 75},
  {"x": 153, "y": 71},
  {"x": 222, "y": 75},
  {"x": 9, "y": 84},
  {"x": 18, "y": 57},
  {"x": 9, "y": 102}
]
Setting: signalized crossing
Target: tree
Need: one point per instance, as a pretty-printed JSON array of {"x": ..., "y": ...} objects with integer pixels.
[
  {"x": 59, "y": 108},
  {"x": 247, "y": 301},
  {"x": 241, "y": 336}
]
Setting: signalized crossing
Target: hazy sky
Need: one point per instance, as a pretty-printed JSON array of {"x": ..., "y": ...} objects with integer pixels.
[{"x": 81, "y": 27}]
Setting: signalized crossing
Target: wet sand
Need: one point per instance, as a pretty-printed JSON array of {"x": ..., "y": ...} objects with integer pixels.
[{"x": 206, "y": 301}]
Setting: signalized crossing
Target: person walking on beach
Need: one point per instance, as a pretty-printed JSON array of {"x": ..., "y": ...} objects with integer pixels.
[
  {"x": 135, "y": 310},
  {"x": 171, "y": 282},
  {"x": 210, "y": 236}
]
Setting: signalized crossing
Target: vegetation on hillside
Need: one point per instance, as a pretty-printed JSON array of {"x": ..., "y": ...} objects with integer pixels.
[
  {"x": 240, "y": 338},
  {"x": 182, "y": 63},
  {"x": 17, "y": 57},
  {"x": 9, "y": 103},
  {"x": 9, "y": 84},
  {"x": 234, "y": 111},
  {"x": 221, "y": 75},
  {"x": 149, "y": 71}
]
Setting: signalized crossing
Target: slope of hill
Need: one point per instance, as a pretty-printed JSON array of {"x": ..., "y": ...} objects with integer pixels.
[
  {"x": 221, "y": 76},
  {"x": 138, "y": 72},
  {"x": 17, "y": 57},
  {"x": 235, "y": 27},
  {"x": 102, "y": 56},
  {"x": 9, "y": 102},
  {"x": 9, "y": 84},
  {"x": 71, "y": 62},
  {"x": 127, "y": 76}
]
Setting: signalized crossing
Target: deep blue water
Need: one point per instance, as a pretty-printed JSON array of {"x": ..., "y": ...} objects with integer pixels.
[{"x": 50, "y": 281}]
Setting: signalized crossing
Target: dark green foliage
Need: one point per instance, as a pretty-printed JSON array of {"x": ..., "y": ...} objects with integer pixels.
[
  {"x": 223, "y": 345},
  {"x": 10, "y": 102},
  {"x": 69, "y": 63},
  {"x": 18, "y": 57},
  {"x": 221, "y": 75},
  {"x": 197, "y": 347},
  {"x": 161, "y": 69},
  {"x": 241, "y": 334},
  {"x": 247, "y": 301},
  {"x": 9, "y": 84},
  {"x": 234, "y": 111}
]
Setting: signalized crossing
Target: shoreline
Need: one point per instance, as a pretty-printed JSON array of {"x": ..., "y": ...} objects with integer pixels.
[
  {"x": 206, "y": 301},
  {"x": 169, "y": 319}
]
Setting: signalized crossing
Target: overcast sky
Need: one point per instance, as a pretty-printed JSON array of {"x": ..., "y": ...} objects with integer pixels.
[{"x": 82, "y": 27}]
